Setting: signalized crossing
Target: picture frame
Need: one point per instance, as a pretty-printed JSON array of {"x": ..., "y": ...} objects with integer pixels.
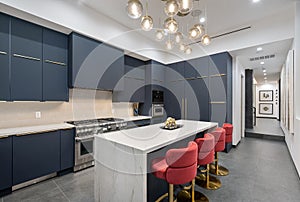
[
  {"x": 265, "y": 95},
  {"x": 266, "y": 108}
]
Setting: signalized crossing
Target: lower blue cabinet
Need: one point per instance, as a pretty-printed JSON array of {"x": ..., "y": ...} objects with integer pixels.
[
  {"x": 35, "y": 155},
  {"x": 6, "y": 163},
  {"x": 67, "y": 138}
]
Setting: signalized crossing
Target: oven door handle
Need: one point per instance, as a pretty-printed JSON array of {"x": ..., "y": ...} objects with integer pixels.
[{"x": 80, "y": 139}]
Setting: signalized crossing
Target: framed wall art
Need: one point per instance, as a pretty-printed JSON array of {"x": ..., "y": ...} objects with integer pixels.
[
  {"x": 265, "y": 95},
  {"x": 266, "y": 108}
]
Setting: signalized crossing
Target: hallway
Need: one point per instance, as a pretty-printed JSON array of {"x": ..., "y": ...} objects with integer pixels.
[{"x": 266, "y": 128}]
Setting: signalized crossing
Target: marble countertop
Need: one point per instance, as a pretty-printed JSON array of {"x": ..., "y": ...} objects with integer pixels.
[
  {"x": 33, "y": 129},
  {"x": 152, "y": 137}
]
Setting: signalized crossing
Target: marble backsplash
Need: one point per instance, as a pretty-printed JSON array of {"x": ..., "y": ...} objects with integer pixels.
[{"x": 83, "y": 104}]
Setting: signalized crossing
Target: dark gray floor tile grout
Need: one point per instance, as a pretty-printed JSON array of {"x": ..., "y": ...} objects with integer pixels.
[{"x": 61, "y": 190}]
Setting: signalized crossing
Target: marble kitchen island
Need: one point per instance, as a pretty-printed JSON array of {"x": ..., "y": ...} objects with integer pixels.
[{"x": 122, "y": 159}]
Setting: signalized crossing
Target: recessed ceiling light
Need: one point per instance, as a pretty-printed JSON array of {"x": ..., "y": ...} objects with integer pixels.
[
  {"x": 264, "y": 70},
  {"x": 265, "y": 78},
  {"x": 255, "y": 1},
  {"x": 202, "y": 20},
  {"x": 265, "y": 74},
  {"x": 259, "y": 49},
  {"x": 262, "y": 63}
]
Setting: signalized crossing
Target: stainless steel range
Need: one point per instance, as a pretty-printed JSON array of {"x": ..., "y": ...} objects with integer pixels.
[{"x": 84, "y": 138}]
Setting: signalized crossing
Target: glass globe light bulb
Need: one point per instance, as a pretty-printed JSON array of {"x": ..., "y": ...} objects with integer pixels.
[
  {"x": 134, "y": 9},
  {"x": 205, "y": 40},
  {"x": 171, "y": 25},
  {"x": 185, "y": 6},
  {"x": 182, "y": 47},
  {"x": 160, "y": 35},
  {"x": 200, "y": 28},
  {"x": 171, "y": 8},
  {"x": 169, "y": 45},
  {"x": 178, "y": 37},
  {"x": 147, "y": 23},
  {"x": 188, "y": 50},
  {"x": 194, "y": 33}
]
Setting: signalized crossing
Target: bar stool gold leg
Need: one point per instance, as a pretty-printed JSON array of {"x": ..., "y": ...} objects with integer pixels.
[
  {"x": 207, "y": 181},
  {"x": 189, "y": 194},
  {"x": 217, "y": 169},
  {"x": 171, "y": 194}
]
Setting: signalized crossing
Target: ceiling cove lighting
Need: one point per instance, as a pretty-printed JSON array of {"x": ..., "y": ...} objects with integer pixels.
[{"x": 172, "y": 11}]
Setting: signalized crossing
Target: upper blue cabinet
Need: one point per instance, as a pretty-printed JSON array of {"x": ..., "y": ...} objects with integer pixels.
[
  {"x": 34, "y": 66},
  {"x": 94, "y": 65},
  {"x": 26, "y": 61},
  {"x": 55, "y": 68},
  {"x": 4, "y": 57}
]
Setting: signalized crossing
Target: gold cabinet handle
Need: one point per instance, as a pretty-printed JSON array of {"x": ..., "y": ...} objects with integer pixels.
[
  {"x": 217, "y": 102},
  {"x": 56, "y": 63},
  {"x": 26, "y": 57},
  {"x": 217, "y": 75},
  {"x": 3, "y": 53},
  {"x": 37, "y": 132},
  {"x": 5, "y": 136},
  {"x": 202, "y": 77}
]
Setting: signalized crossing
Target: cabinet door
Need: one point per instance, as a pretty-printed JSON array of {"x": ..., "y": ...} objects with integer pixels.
[
  {"x": 83, "y": 64},
  {"x": 202, "y": 67},
  {"x": 134, "y": 91},
  {"x": 192, "y": 111},
  {"x": 190, "y": 69},
  {"x": 174, "y": 99},
  {"x": 55, "y": 83},
  {"x": 67, "y": 139},
  {"x": 111, "y": 62},
  {"x": 218, "y": 63},
  {"x": 26, "y": 62},
  {"x": 35, "y": 155},
  {"x": 174, "y": 72},
  {"x": 157, "y": 73},
  {"x": 4, "y": 57},
  {"x": 6, "y": 163}
]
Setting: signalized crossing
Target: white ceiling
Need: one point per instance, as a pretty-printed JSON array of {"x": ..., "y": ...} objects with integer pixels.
[{"x": 272, "y": 65}]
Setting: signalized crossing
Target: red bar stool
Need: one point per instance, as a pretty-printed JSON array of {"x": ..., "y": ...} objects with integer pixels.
[
  {"x": 206, "y": 152},
  {"x": 216, "y": 169},
  {"x": 179, "y": 166},
  {"x": 228, "y": 137}
]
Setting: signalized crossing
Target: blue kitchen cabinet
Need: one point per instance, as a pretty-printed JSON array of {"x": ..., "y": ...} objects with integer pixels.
[
  {"x": 6, "y": 163},
  {"x": 220, "y": 87},
  {"x": 67, "y": 138},
  {"x": 134, "y": 82},
  {"x": 190, "y": 69},
  {"x": 157, "y": 73},
  {"x": 35, "y": 155},
  {"x": 174, "y": 99},
  {"x": 55, "y": 67},
  {"x": 4, "y": 58},
  {"x": 93, "y": 64},
  {"x": 26, "y": 61}
]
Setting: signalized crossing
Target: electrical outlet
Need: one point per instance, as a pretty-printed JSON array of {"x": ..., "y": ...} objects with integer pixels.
[{"x": 38, "y": 115}]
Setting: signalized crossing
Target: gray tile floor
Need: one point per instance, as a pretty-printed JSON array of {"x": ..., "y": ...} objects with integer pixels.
[
  {"x": 260, "y": 170},
  {"x": 267, "y": 127}
]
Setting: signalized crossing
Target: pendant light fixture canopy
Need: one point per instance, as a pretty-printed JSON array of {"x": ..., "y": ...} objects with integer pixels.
[
  {"x": 171, "y": 25},
  {"x": 147, "y": 23},
  {"x": 134, "y": 9},
  {"x": 185, "y": 6},
  {"x": 171, "y": 8}
]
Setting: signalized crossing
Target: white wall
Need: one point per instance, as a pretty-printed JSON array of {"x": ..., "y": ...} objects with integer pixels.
[
  {"x": 293, "y": 140},
  {"x": 238, "y": 109},
  {"x": 268, "y": 86}
]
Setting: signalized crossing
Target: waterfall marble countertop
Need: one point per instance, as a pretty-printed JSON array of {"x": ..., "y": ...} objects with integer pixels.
[
  {"x": 33, "y": 129},
  {"x": 152, "y": 137},
  {"x": 134, "y": 118}
]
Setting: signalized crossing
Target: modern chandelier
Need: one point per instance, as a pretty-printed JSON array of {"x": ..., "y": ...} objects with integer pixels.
[{"x": 170, "y": 30}]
